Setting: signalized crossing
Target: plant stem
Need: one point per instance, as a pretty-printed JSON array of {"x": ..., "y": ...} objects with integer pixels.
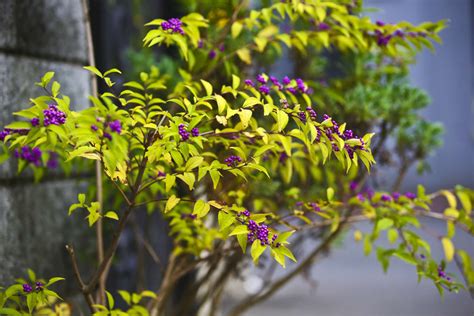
[{"x": 88, "y": 297}]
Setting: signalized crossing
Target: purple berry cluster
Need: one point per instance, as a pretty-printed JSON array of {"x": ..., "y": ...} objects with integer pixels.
[
  {"x": 31, "y": 155},
  {"x": 323, "y": 27},
  {"x": 39, "y": 286},
  {"x": 283, "y": 157},
  {"x": 353, "y": 185},
  {"x": 53, "y": 116},
  {"x": 233, "y": 160},
  {"x": 184, "y": 134},
  {"x": 315, "y": 207},
  {"x": 174, "y": 25},
  {"x": 189, "y": 216},
  {"x": 8, "y": 131},
  {"x": 383, "y": 40},
  {"x": 302, "y": 116},
  {"x": 27, "y": 288},
  {"x": 442, "y": 274},
  {"x": 161, "y": 174},
  {"x": 312, "y": 113},
  {"x": 369, "y": 194},
  {"x": 348, "y": 134},
  {"x": 245, "y": 213},
  {"x": 35, "y": 122},
  {"x": 114, "y": 126},
  {"x": 52, "y": 162},
  {"x": 257, "y": 232},
  {"x": 265, "y": 83}
]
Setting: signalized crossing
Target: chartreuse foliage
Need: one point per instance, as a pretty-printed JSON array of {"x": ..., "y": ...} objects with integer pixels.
[
  {"x": 26, "y": 297},
  {"x": 199, "y": 147}
]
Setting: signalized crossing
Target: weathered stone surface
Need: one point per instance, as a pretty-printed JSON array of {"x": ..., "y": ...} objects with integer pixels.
[
  {"x": 35, "y": 227},
  {"x": 52, "y": 29},
  {"x": 36, "y": 37},
  {"x": 7, "y": 23}
]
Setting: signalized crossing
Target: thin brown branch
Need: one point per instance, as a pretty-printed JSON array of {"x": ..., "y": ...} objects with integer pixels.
[
  {"x": 146, "y": 244},
  {"x": 125, "y": 197},
  {"x": 99, "y": 183},
  {"x": 77, "y": 274}
]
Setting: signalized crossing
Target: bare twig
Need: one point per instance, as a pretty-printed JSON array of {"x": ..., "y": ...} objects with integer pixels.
[{"x": 77, "y": 274}]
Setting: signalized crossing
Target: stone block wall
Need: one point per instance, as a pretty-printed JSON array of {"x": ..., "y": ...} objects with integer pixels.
[{"x": 36, "y": 37}]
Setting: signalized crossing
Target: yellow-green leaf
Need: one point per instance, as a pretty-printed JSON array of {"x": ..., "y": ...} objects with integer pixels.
[
  {"x": 448, "y": 248},
  {"x": 111, "y": 215},
  {"x": 201, "y": 208},
  {"x": 171, "y": 203}
]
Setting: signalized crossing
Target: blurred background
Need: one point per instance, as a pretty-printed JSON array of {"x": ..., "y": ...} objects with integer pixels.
[{"x": 48, "y": 35}]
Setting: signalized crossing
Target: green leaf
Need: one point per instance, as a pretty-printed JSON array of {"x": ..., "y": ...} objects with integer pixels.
[
  {"x": 367, "y": 245},
  {"x": 448, "y": 248},
  {"x": 55, "y": 88},
  {"x": 94, "y": 70},
  {"x": 112, "y": 215},
  {"x": 110, "y": 300},
  {"x": 282, "y": 120},
  {"x": 201, "y": 208},
  {"x": 19, "y": 125},
  {"x": 392, "y": 235},
  {"x": 171, "y": 203},
  {"x": 256, "y": 250},
  {"x": 170, "y": 180},
  {"x": 47, "y": 78},
  {"x": 408, "y": 258},
  {"x": 451, "y": 198},
  {"x": 31, "y": 300},
  {"x": 189, "y": 178},
  {"x": 207, "y": 86},
  {"x": 215, "y": 176},
  {"x": 113, "y": 70},
  {"x": 259, "y": 168},
  {"x": 330, "y": 194},
  {"x": 245, "y": 55},
  {"x": 9, "y": 311},
  {"x": 193, "y": 162},
  {"x": 278, "y": 256},
  {"x": 225, "y": 220},
  {"x": 245, "y": 116},
  {"x": 263, "y": 149},
  {"x": 250, "y": 102},
  {"x": 125, "y": 296},
  {"x": 242, "y": 239},
  {"x": 239, "y": 230},
  {"x": 282, "y": 237},
  {"x": 32, "y": 275},
  {"x": 235, "y": 29},
  {"x": 384, "y": 223},
  {"x": 465, "y": 201},
  {"x": 235, "y": 82},
  {"x": 287, "y": 253},
  {"x": 54, "y": 280},
  {"x": 221, "y": 103}
]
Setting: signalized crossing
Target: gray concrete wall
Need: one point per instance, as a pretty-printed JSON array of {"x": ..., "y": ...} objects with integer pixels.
[{"x": 36, "y": 37}]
